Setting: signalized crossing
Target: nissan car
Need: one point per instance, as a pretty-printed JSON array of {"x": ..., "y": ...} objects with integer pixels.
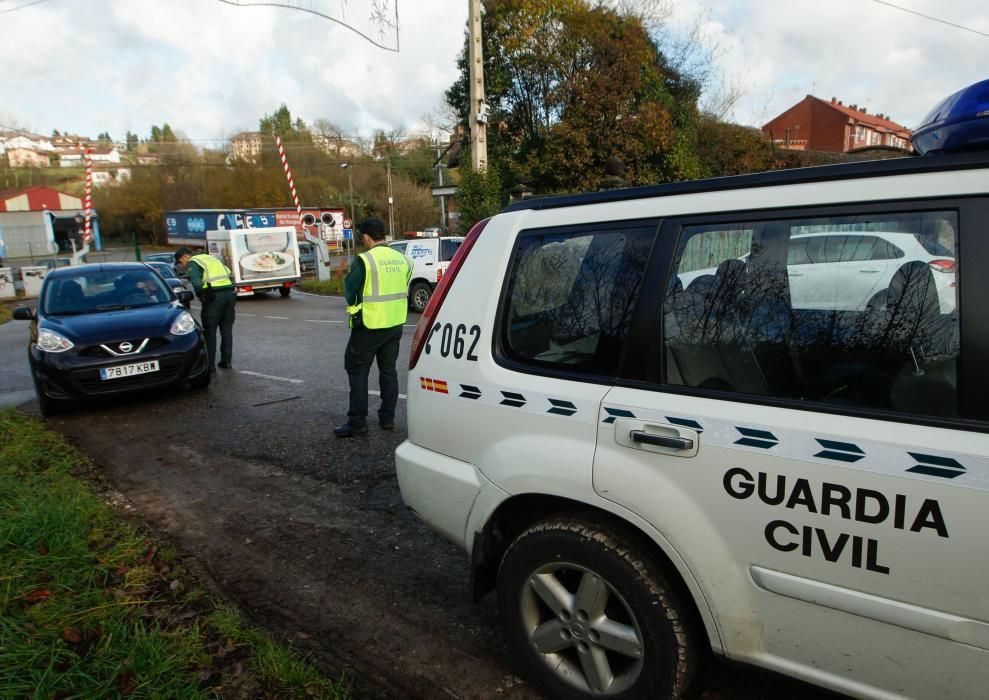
[{"x": 107, "y": 329}]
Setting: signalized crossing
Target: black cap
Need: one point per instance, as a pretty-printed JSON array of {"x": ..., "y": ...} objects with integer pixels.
[
  {"x": 372, "y": 227},
  {"x": 180, "y": 252}
]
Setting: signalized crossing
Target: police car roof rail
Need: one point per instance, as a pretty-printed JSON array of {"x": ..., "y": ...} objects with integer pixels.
[{"x": 821, "y": 173}]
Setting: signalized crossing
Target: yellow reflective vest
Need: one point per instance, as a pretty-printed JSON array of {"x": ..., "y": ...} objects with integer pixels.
[
  {"x": 215, "y": 273},
  {"x": 384, "y": 299}
]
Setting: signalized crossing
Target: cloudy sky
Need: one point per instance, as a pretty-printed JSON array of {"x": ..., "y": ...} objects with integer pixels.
[{"x": 211, "y": 69}]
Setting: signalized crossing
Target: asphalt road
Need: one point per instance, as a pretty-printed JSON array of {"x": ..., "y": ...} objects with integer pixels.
[{"x": 305, "y": 532}]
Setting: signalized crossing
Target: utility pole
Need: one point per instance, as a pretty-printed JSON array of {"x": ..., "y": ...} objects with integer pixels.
[
  {"x": 439, "y": 171},
  {"x": 391, "y": 204},
  {"x": 350, "y": 182},
  {"x": 478, "y": 110}
]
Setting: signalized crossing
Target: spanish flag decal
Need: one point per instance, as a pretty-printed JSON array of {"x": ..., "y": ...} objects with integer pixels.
[{"x": 437, "y": 385}]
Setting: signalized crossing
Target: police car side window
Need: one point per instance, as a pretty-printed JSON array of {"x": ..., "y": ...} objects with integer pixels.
[
  {"x": 872, "y": 323},
  {"x": 571, "y": 297}
]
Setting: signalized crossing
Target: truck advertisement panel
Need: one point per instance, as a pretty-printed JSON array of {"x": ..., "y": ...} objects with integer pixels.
[
  {"x": 189, "y": 226},
  {"x": 259, "y": 258}
]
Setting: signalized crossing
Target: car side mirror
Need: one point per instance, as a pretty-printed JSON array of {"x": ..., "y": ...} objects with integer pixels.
[
  {"x": 184, "y": 295},
  {"x": 24, "y": 313}
]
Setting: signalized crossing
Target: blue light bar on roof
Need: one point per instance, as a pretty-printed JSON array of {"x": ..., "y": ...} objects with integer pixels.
[{"x": 958, "y": 123}]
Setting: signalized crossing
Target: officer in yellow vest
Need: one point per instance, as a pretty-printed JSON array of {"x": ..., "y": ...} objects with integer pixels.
[
  {"x": 376, "y": 289},
  {"x": 212, "y": 283}
]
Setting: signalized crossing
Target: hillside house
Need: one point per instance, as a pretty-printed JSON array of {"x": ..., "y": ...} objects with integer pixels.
[{"x": 814, "y": 124}]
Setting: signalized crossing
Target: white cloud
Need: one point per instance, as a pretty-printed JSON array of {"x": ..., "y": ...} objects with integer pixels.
[
  {"x": 861, "y": 52},
  {"x": 210, "y": 69}
]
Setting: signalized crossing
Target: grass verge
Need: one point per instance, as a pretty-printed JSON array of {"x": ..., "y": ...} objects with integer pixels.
[
  {"x": 334, "y": 285},
  {"x": 5, "y": 314},
  {"x": 90, "y": 606}
]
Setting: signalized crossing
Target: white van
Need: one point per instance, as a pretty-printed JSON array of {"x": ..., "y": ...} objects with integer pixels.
[
  {"x": 430, "y": 258},
  {"x": 645, "y": 468}
]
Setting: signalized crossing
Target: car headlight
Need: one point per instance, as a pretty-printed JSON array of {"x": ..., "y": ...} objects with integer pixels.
[
  {"x": 50, "y": 341},
  {"x": 184, "y": 324}
]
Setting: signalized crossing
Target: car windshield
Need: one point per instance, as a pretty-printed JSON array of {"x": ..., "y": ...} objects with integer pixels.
[{"x": 103, "y": 290}]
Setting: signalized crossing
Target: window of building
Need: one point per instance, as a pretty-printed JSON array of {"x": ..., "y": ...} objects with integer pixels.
[
  {"x": 844, "y": 310},
  {"x": 571, "y": 298}
]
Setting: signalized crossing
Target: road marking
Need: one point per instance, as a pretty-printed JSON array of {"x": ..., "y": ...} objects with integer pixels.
[
  {"x": 243, "y": 314},
  {"x": 280, "y": 318},
  {"x": 316, "y": 320},
  {"x": 271, "y": 376},
  {"x": 375, "y": 392},
  {"x": 296, "y": 290}
]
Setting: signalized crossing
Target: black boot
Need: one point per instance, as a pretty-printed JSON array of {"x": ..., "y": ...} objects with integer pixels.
[{"x": 347, "y": 430}]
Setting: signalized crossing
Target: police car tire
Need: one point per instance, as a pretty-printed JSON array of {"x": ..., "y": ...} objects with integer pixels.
[
  {"x": 419, "y": 296},
  {"x": 644, "y": 599}
]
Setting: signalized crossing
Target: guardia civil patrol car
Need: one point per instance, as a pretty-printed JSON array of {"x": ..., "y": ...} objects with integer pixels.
[{"x": 710, "y": 415}]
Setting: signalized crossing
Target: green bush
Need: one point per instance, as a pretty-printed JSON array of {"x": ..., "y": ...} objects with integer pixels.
[{"x": 328, "y": 287}]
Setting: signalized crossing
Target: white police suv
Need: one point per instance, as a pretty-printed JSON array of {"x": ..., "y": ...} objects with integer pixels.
[{"x": 755, "y": 462}]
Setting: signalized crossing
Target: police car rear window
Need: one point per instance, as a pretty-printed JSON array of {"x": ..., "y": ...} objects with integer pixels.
[{"x": 842, "y": 310}]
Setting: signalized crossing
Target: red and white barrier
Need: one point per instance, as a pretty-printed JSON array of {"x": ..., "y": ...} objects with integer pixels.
[
  {"x": 87, "y": 237},
  {"x": 288, "y": 174}
]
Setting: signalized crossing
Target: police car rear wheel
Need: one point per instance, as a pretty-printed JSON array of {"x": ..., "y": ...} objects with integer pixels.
[
  {"x": 419, "y": 296},
  {"x": 587, "y": 615}
]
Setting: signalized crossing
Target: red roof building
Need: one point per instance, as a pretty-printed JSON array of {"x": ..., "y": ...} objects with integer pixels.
[
  {"x": 814, "y": 124},
  {"x": 38, "y": 199}
]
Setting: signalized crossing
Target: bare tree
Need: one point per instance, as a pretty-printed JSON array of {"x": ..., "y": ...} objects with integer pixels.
[{"x": 654, "y": 14}]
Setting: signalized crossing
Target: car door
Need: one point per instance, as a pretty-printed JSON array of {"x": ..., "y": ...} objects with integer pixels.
[
  {"x": 797, "y": 261},
  {"x": 831, "y": 517},
  {"x": 859, "y": 273}
]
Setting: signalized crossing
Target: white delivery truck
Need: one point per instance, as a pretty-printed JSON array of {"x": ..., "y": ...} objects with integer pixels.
[{"x": 260, "y": 259}]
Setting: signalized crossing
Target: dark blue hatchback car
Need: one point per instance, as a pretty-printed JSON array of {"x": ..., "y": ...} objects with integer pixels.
[{"x": 108, "y": 329}]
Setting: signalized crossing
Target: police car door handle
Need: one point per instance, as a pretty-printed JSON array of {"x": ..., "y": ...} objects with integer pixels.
[{"x": 677, "y": 443}]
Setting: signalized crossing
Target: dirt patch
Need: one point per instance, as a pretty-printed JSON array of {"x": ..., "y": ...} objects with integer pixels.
[{"x": 346, "y": 576}]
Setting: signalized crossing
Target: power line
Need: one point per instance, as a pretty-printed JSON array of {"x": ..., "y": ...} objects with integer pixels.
[
  {"x": 933, "y": 19},
  {"x": 29, "y": 3}
]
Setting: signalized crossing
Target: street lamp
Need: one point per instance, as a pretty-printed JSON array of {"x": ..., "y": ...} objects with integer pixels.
[{"x": 350, "y": 183}]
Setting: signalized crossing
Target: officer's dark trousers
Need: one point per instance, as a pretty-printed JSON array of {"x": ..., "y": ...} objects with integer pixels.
[
  {"x": 365, "y": 346},
  {"x": 218, "y": 313}
]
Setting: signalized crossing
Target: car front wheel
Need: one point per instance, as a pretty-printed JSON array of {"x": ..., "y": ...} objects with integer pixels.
[
  {"x": 47, "y": 407},
  {"x": 588, "y": 615},
  {"x": 202, "y": 381}
]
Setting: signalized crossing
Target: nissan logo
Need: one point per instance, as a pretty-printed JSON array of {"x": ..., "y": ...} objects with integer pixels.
[{"x": 125, "y": 347}]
